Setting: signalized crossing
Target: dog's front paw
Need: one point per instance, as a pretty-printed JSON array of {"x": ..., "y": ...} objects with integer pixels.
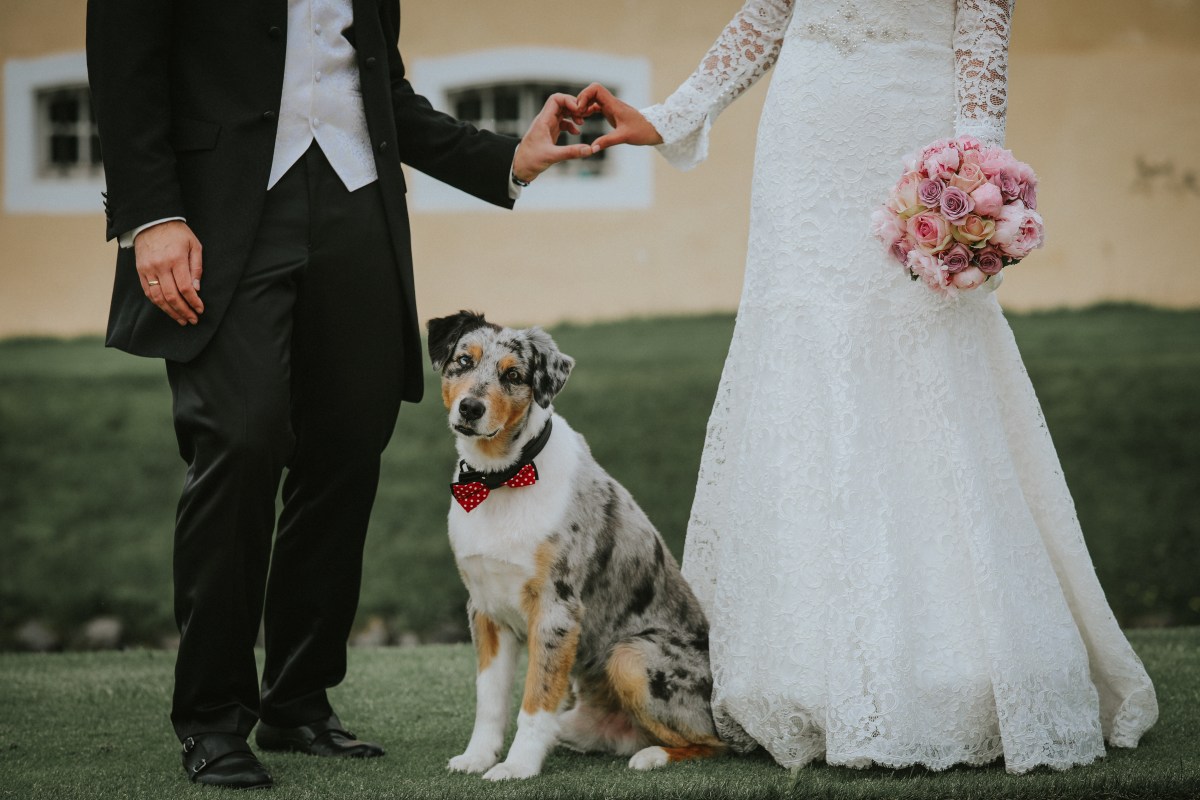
[
  {"x": 649, "y": 758},
  {"x": 473, "y": 763},
  {"x": 511, "y": 770}
]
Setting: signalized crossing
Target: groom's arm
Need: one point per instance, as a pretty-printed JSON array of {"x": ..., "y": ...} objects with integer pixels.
[
  {"x": 127, "y": 56},
  {"x": 476, "y": 161}
]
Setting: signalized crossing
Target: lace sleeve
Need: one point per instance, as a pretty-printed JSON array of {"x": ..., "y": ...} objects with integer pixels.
[
  {"x": 981, "y": 32},
  {"x": 744, "y": 52}
]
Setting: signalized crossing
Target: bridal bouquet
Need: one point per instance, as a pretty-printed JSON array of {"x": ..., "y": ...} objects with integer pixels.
[{"x": 961, "y": 212}]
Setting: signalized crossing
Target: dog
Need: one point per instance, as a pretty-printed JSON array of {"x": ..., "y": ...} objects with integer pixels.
[{"x": 556, "y": 554}]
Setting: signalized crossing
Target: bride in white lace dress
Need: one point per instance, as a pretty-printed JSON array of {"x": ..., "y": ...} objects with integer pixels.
[{"x": 882, "y": 536}]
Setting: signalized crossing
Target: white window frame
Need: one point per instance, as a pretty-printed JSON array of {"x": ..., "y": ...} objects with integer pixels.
[
  {"x": 627, "y": 182},
  {"x": 25, "y": 190}
]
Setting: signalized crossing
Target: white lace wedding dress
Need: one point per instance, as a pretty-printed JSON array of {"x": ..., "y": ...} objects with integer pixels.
[{"x": 882, "y": 536}]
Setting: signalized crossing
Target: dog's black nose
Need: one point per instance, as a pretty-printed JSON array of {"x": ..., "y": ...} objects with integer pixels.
[{"x": 470, "y": 409}]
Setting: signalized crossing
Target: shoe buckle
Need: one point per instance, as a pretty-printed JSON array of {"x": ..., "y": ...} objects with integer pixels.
[
  {"x": 189, "y": 744},
  {"x": 199, "y": 766}
]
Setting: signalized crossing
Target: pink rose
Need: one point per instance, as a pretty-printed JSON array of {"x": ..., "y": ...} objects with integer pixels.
[
  {"x": 974, "y": 230},
  {"x": 930, "y": 191},
  {"x": 969, "y": 144},
  {"x": 1008, "y": 221},
  {"x": 988, "y": 200},
  {"x": 996, "y": 160},
  {"x": 927, "y": 268},
  {"x": 956, "y": 204},
  {"x": 930, "y": 232},
  {"x": 1031, "y": 233},
  {"x": 934, "y": 147},
  {"x": 905, "y": 200},
  {"x": 969, "y": 278},
  {"x": 969, "y": 178},
  {"x": 1009, "y": 186},
  {"x": 889, "y": 229},
  {"x": 1024, "y": 173},
  {"x": 957, "y": 258},
  {"x": 1028, "y": 195},
  {"x": 989, "y": 261},
  {"x": 943, "y": 164},
  {"x": 900, "y": 249},
  {"x": 1018, "y": 230}
]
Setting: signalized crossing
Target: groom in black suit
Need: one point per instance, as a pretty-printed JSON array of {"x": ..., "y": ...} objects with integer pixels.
[{"x": 271, "y": 133}]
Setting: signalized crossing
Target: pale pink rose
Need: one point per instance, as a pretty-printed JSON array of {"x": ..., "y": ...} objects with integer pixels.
[
  {"x": 973, "y": 157},
  {"x": 969, "y": 144},
  {"x": 1031, "y": 233},
  {"x": 889, "y": 229},
  {"x": 930, "y": 232},
  {"x": 969, "y": 178},
  {"x": 905, "y": 200},
  {"x": 1018, "y": 230},
  {"x": 969, "y": 278},
  {"x": 956, "y": 204},
  {"x": 928, "y": 269},
  {"x": 957, "y": 258},
  {"x": 974, "y": 230},
  {"x": 943, "y": 164},
  {"x": 1024, "y": 173},
  {"x": 934, "y": 147},
  {"x": 1008, "y": 222},
  {"x": 989, "y": 261},
  {"x": 930, "y": 192},
  {"x": 988, "y": 200},
  {"x": 996, "y": 160}
]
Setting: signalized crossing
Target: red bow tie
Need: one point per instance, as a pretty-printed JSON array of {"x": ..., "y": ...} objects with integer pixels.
[{"x": 471, "y": 493}]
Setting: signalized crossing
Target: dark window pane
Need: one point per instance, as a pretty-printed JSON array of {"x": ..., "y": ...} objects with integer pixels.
[
  {"x": 64, "y": 108},
  {"x": 64, "y": 150},
  {"x": 468, "y": 106},
  {"x": 508, "y": 103}
]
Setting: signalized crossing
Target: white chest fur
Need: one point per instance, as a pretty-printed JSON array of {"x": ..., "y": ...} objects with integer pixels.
[{"x": 494, "y": 545}]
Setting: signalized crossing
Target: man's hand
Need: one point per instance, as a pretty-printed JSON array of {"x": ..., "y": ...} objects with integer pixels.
[
  {"x": 169, "y": 267},
  {"x": 539, "y": 149},
  {"x": 629, "y": 126}
]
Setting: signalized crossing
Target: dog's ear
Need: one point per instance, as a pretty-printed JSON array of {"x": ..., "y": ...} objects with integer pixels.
[
  {"x": 550, "y": 367},
  {"x": 444, "y": 333}
]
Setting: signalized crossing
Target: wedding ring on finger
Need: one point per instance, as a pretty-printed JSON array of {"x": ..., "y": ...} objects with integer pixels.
[{"x": 152, "y": 283}]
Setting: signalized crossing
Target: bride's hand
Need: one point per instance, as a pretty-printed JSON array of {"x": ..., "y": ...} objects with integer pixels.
[{"x": 629, "y": 126}]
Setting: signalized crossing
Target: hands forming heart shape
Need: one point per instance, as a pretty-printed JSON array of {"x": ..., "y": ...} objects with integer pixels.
[{"x": 539, "y": 149}]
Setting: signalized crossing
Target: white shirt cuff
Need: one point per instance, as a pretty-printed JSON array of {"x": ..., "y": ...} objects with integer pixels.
[
  {"x": 126, "y": 239},
  {"x": 514, "y": 188}
]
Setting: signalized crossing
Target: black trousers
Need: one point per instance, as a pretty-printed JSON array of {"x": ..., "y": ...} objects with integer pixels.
[{"x": 303, "y": 374}]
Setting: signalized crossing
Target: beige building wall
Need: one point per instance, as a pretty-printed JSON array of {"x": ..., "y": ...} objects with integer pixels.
[{"x": 1104, "y": 102}]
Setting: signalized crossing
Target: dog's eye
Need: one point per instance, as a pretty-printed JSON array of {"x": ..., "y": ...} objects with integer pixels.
[
  {"x": 513, "y": 375},
  {"x": 464, "y": 360}
]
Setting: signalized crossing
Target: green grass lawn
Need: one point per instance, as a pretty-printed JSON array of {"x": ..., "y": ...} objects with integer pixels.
[
  {"x": 94, "y": 725},
  {"x": 89, "y": 475}
]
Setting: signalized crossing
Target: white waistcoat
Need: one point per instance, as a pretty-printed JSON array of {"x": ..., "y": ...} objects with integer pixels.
[{"x": 321, "y": 95}]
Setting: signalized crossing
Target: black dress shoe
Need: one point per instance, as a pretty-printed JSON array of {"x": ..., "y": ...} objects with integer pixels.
[
  {"x": 325, "y": 737},
  {"x": 223, "y": 759}
]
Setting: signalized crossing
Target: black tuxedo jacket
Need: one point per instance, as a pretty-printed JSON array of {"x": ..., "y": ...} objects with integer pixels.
[{"x": 186, "y": 95}]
